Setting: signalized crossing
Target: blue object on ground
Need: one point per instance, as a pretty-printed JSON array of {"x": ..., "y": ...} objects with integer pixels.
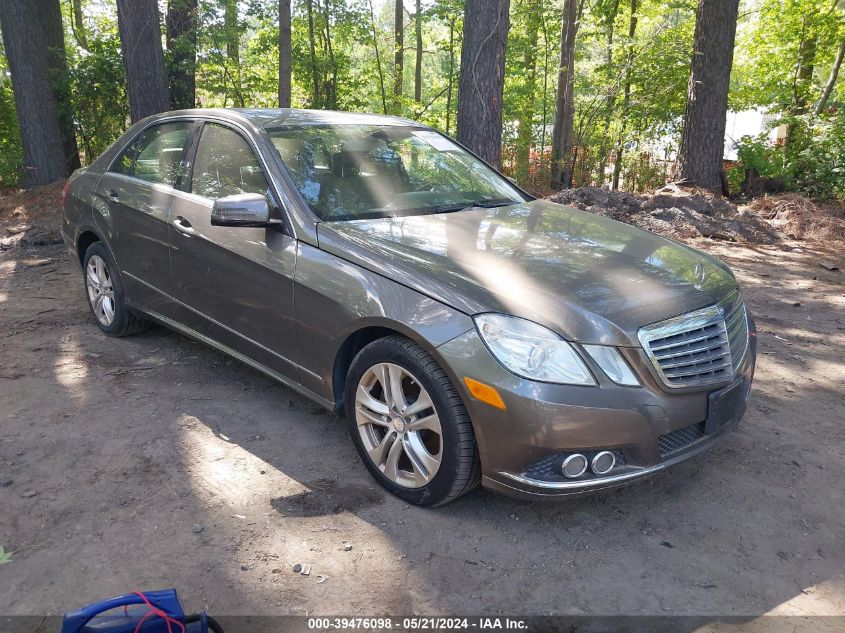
[{"x": 148, "y": 612}]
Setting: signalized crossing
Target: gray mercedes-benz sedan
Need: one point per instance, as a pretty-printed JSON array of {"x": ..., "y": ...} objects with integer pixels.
[{"x": 468, "y": 332}]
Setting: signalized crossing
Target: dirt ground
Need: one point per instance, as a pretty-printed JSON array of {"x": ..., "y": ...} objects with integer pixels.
[{"x": 152, "y": 461}]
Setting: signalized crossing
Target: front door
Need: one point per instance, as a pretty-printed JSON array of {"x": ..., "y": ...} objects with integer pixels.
[
  {"x": 236, "y": 281},
  {"x": 136, "y": 193}
]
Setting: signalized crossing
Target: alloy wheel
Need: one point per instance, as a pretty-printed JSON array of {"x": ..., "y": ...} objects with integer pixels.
[
  {"x": 399, "y": 427},
  {"x": 100, "y": 290}
]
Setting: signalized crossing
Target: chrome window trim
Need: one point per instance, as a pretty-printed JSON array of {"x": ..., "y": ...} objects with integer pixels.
[{"x": 246, "y": 129}]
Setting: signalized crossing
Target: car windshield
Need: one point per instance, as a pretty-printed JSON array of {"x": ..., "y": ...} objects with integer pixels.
[{"x": 349, "y": 172}]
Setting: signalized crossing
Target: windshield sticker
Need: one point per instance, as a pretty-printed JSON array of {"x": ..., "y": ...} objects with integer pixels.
[{"x": 438, "y": 142}]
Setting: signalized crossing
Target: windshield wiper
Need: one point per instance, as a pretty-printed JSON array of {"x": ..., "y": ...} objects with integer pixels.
[{"x": 484, "y": 203}]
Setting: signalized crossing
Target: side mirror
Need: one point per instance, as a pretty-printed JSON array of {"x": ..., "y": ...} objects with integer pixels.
[{"x": 243, "y": 209}]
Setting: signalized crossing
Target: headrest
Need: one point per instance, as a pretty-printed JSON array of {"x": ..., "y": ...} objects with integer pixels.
[
  {"x": 168, "y": 162},
  {"x": 346, "y": 164}
]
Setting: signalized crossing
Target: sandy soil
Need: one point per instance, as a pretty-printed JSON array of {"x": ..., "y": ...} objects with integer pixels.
[{"x": 152, "y": 461}]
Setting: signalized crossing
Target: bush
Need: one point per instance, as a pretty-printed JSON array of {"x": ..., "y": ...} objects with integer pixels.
[
  {"x": 640, "y": 172},
  {"x": 99, "y": 98},
  {"x": 817, "y": 158},
  {"x": 812, "y": 162}
]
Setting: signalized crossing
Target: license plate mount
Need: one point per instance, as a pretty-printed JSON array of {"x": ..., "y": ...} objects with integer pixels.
[{"x": 726, "y": 406}]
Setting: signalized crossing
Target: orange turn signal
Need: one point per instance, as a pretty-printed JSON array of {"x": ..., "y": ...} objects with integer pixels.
[{"x": 485, "y": 393}]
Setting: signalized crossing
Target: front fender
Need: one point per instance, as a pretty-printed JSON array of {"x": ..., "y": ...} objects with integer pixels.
[{"x": 334, "y": 299}]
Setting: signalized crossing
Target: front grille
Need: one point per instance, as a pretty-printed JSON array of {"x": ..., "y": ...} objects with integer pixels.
[
  {"x": 699, "y": 348},
  {"x": 680, "y": 439}
]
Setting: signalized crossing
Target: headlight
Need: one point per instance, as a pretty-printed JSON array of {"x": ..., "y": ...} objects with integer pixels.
[
  {"x": 531, "y": 350},
  {"x": 612, "y": 363}
]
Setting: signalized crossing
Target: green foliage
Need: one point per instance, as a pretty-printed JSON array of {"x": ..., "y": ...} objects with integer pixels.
[
  {"x": 11, "y": 154},
  {"x": 816, "y": 157},
  {"x": 99, "y": 97},
  {"x": 758, "y": 155},
  {"x": 530, "y": 83},
  {"x": 630, "y": 88},
  {"x": 652, "y": 67},
  {"x": 5, "y": 557},
  {"x": 766, "y": 159},
  {"x": 640, "y": 172},
  {"x": 812, "y": 162},
  {"x": 768, "y": 59}
]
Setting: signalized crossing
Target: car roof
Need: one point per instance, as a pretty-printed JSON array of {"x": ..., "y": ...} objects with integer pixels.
[
  {"x": 267, "y": 117},
  {"x": 283, "y": 117}
]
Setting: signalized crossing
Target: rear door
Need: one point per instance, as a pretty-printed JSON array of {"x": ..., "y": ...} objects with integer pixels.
[
  {"x": 137, "y": 193},
  {"x": 236, "y": 281}
]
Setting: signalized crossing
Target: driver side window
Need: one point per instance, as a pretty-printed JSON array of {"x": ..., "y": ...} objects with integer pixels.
[{"x": 225, "y": 165}]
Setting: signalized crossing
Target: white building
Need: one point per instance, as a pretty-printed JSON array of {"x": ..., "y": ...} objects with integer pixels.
[{"x": 750, "y": 123}]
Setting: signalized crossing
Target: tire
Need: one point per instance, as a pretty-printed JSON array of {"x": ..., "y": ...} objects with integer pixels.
[
  {"x": 412, "y": 475},
  {"x": 123, "y": 322}
]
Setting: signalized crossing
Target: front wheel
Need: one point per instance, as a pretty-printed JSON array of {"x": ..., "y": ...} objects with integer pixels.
[{"x": 409, "y": 423}]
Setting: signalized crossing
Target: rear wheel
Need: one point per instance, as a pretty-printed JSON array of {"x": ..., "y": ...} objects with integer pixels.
[
  {"x": 409, "y": 424},
  {"x": 104, "y": 290}
]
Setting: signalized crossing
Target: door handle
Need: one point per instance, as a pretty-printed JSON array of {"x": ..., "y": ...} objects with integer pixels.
[
  {"x": 183, "y": 226},
  {"x": 111, "y": 194}
]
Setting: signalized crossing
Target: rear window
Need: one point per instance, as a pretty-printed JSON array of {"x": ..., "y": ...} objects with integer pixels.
[{"x": 156, "y": 154}]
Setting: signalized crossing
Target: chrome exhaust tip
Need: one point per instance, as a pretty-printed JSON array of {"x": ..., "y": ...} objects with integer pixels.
[
  {"x": 574, "y": 466},
  {"x": 603, "y": 463}
]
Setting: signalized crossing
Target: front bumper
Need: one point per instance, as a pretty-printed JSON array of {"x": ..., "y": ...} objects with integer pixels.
[{"x": 648, "y": 427}]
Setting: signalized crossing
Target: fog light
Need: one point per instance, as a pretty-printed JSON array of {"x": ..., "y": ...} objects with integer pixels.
[
  {"x": 574, "y": 466},
  {"x": 603, "y": 462}
]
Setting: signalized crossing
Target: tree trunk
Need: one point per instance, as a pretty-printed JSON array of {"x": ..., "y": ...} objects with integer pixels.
[
  {"x": 399, "y": 53},
  {"x": 804, "y": 70},
  {"x": 703, "y": 138},
  {"x": 27, "y": 48},
  {"x": 451, "y": 74},
  {"x": 143, "y": 57},
  {"x": 546, "y": 56},
  {"x": 331, "y": 88},
  {"x": 182, "y": 45},
  {"x": 611, "y": 95},
  {"x": 78, "y": 25},
  {"x": 418, "y": 58},
  {"x": 482, "y": 78},
  {"x": 803, "y": 77},
  {"x": 626, "y": 99},
  {"x": 525, "y": 116},
  {"x": 233, "y": 48},
  {"x": 284, "y": 53},
  {"x": 525, "y": 119},
  {"x": 315, "y": 71},
  {"x": 54, "y": 34},
  {"x": 565, "y": 109},
  {"x": 831, "y": 80},
  {"x": 378, "y": 59}
]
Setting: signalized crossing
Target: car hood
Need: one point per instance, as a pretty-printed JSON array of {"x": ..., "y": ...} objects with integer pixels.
[{"x": 588, "y": 277}]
